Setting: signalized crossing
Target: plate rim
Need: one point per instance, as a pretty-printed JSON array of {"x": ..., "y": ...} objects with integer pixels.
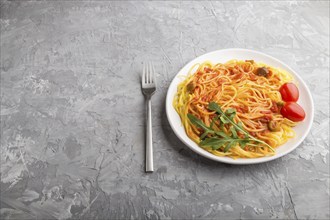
[{"x": 228, "y": 160}]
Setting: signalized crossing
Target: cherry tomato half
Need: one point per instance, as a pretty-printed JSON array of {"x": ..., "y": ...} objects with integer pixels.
[
  {"x": 293, "y": 111},
  {"x": 289, "y": 92}
]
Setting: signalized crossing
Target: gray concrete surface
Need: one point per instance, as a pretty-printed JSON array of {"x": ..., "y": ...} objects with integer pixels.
[{"x": 72, "y": 113}]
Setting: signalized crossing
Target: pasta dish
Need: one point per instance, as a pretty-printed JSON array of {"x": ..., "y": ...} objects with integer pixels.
[{"x": 239, "y": 109}]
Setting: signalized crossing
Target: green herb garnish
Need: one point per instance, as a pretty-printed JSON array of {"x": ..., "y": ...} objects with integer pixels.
[{"x": 216, "y": 139}]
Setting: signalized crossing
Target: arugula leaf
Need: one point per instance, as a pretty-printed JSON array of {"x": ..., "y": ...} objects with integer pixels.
[
  {"x": 198, "y": 122},
  {"x": 216, "y": 142},
  {"x": 212, "y": 122},
  {"x": 215, "y": 107},
  {"x": 230, "y": 113},
  {"x": 221, "y": 134},
  {"x": 244, "y": 142},
  {"x": 240, "y": 125},
  {"x": 204, "y": 135},
  {"x": 219, "y": 139},
  {"x": 224, "y": 120},
  {"x": 231, "y": 144},
  {"x": 233, "y": 131},
  {"x": 213, "y": 142}
]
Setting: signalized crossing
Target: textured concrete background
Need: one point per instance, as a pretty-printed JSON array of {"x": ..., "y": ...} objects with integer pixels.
[{"x": 72, "y": 112}]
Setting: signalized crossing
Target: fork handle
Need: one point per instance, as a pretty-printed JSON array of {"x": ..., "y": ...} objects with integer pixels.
[{"x": 149, "y": 150}]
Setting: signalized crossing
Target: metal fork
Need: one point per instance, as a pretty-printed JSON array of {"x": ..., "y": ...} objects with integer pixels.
[{"x": 148, "y": 89}]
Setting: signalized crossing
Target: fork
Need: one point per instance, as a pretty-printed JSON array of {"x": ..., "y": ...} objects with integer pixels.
[{"x": 148, "y": 89}]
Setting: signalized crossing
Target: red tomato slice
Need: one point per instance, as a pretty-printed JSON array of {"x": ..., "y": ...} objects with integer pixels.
[
  {"x": 293, "y": 111},
  {"x": 289, "y": 92}
]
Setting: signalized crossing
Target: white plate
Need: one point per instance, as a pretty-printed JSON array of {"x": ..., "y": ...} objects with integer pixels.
[{"x": 305, "y": 100}]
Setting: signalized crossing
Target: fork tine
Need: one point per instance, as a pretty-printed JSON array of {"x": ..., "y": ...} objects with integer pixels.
[
  {"x": 144, "y": 74},
  {"x": 148, "y": 76},
  {"x": 148, "y": 73},
  {"x": 153, "y": 73}
]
